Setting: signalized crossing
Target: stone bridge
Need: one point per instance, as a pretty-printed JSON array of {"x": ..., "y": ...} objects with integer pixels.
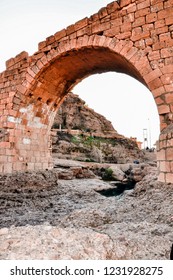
[{"x": 127, "y": 36}]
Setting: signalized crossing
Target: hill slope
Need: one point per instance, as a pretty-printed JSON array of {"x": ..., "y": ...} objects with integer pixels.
[{"x": 79, "y": 133}]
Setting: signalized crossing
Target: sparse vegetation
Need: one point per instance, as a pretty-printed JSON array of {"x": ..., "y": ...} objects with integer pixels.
[
  {"x": 107, "y": 175},
  {"x": 98, "y": 149},
  {"x": 75, "y": 140}
]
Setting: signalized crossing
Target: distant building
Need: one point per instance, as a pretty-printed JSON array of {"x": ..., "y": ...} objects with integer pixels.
[{"x": 139, "y": 143}]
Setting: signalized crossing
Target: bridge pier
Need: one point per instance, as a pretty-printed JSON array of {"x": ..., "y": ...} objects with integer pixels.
[
  {"x": 165, "y": 155},
  {"x": 25, "y": 149}
]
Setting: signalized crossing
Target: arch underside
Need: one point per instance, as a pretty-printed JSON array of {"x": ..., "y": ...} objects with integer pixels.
[{"x": 64, "y": 72}]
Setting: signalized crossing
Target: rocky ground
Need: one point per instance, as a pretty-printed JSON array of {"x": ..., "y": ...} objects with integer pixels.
[
  {"x": 71, "y": 213},
  {"x": 107, "y": 204}
]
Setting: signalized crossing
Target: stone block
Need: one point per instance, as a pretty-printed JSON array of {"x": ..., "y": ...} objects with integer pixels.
[
  {"x": 5, "y": 145},
  {"x": 161, "y": 177},
  {"x": 155, "y": 84},
  {"x": 96, "y": 28},
  {"x": 131, "y": 8},
  {"x": 142, "y": 12},
  {"x": 116, "y": 22},
  {"x": 124, "y": 35},
  {"x": 168, "y": 4},
  {"x": 158, "y": 46},
  {"x": 60, "y": 34},
  {"x": 80, "y": 24},
  {"x": 129, "y": 18},
  {"x": 50, "y": 40},
  {"x": 126, "y": 48},
  {"x": 41, "y": 45},
  {"x": 10, "y": 62},
  {"x": 31, "y": 72},
  {"x": 169, "y": 153},
  {"x": 157, "y": 7},
  {"x": 152, "y": 17},
  {"x": 139, "y": 21},
  {"x": 165, "y": 166},
  {"x": 149, "y": 42},
  {"x": 70, "y": 29},
  {"x": 169, "y": 177},
  {"x": 161, "y": 155},
  {"x": 125, "y": 27},
  {"x": 93, "y": 18},
  {"x": 131, "y": 53},
  {"x": 159, "y": 23},
  {"x": 21, "y": 56},
  {"x": 163, "y": 109},
  {"x": 112, "y": 31},
  {"x": 43, "y": 60},
  {"x": 143, "y": 4},
  {"x": 102, "y": 13},
  {"x": 153, "y": 2},
  {"x": 112, "y": 7},
  {"x": 22, "y": 90},
  {"x": 124, "y": 3},
  {"x": 166, "y": 13},
  {"x": 169, "y": 88},
  {"x": 152, "y": 75},
  {"x": 159, "y": 101},
  {"x": 154, "y": 55},
  {"x": 165, "y": 37},
  {"x": 8, "y": 168},
  {"x": 167, "y": 69},
  {"x": 169, "y": 20},
  {"x": 167, "y": 78}
]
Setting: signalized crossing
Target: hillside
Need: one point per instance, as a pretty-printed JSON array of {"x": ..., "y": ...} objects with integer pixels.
[
  {"x": 74, "y": 114},
  {"x": 79, "y": 133}
]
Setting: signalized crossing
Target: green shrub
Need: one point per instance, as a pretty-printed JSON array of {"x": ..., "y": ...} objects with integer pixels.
[
  {"x": 107, "y": 174},
  {"x": 75, "y": 140}
]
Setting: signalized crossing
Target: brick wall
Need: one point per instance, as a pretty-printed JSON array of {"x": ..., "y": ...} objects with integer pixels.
[{"x": 133, "y": 37}]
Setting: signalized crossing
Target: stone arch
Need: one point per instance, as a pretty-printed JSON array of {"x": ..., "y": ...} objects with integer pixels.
[
  {"x": 67, "y": 68},
  {"x": 124, "y": 37}
]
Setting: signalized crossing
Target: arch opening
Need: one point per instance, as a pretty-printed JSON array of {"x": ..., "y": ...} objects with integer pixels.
[
  {"x": 124, "y": 101},
  {"x": 59, "y": 77},
  {"x": 66, "y": 71}
]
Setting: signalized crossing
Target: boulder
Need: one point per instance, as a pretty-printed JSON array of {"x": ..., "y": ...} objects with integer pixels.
[{"x": 117, "y": 173}]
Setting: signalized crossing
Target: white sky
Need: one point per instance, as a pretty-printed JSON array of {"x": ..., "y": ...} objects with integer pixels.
[{"x": 123, "y": 100}]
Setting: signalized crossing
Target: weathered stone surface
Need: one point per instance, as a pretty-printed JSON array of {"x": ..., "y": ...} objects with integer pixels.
[
  {"x": 42, "y": 218},
  {"x": 74, "y": 114},
  {"x": 88, "y": 136},
  {"x": 117, "y": 173},
  {"x": 54, "y": 243},
  {"x": 95, "y": 149}
]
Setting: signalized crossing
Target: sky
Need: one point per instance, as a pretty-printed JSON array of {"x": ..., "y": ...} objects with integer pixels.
[{"x": 124, "y": 101}]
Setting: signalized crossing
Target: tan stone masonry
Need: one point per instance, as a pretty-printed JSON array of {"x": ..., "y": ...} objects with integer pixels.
[{"x": 132, "y": 37}]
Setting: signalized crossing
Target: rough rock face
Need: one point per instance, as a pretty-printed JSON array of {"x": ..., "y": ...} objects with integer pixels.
[
  {"x": 75, "y": 114},
  {"x": 44, "y": 217},
  {"x": 49, "y": 242},
  {"x": 89, "y": 136},
  {"x": 95, "y": 149}
]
